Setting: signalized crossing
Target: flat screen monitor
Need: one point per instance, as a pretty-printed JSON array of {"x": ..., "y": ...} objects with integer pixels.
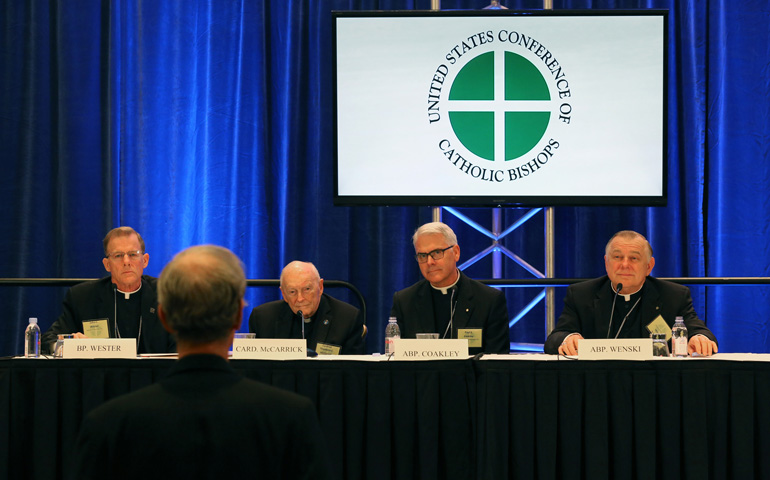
[{"x": 503, "y": 108}]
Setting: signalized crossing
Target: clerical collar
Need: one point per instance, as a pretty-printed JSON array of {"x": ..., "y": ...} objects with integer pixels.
[
  {"x": 128, "y": 294},
  {"x": 626, "y": 296},
  {"x": 443, "y": 290}
]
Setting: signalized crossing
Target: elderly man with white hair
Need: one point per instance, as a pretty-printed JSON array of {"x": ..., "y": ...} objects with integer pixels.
[{"x": 330, "y": 326}]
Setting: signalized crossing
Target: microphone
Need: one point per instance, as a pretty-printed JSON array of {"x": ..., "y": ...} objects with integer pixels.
[
  {"x": 115, "y": 306},
  {"x": 302, "y": 322},
  {"x": 618, "y": 288},
  {"x": 452, "y": 306}
]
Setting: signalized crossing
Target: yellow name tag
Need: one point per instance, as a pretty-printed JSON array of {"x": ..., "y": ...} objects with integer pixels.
[
  {"x": 326, "y": 349},
  {"x": 660, "y": 326},
  {"x": 473, "y": 335},
  {"x": 96, "y": 328}
]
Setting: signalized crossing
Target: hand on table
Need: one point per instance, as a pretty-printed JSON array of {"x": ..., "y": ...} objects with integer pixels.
[
  {"x": 701, "y": 345},
  {"x": 570, "y": 344}
]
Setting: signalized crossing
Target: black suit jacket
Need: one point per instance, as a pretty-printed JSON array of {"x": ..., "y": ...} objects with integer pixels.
[
  {"x": 588, "y": 304},
  {"x": 204, "y": 421},
  {"x": 337, "y": 323},
  {"x": 96, "y": 299},
  {"x": 478, "y": 306}
]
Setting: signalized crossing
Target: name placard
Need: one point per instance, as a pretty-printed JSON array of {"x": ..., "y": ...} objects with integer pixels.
[
  {"x": 99, "y": 348},
  {"x": 615, "y": 349},
  {"x": 269, "y": 348},
  {"x": 413, "y": 349}
]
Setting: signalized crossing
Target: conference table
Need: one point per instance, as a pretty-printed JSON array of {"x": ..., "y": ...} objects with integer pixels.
[{"x": 529, "y": 416}]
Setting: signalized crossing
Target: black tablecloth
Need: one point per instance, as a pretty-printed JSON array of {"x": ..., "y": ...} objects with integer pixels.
[
  {"x": 455, "y": 419},
  {"x": 381, "y": 420},
  {"x": 691, "y": 419}
]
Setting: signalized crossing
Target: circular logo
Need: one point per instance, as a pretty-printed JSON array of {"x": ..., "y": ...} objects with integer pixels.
[
  {"x": 499, "y": 121},
  {"x": 499, "y": 101}
]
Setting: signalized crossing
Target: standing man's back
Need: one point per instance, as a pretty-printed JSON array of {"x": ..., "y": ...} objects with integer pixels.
[{"x": 203, "y": 420}]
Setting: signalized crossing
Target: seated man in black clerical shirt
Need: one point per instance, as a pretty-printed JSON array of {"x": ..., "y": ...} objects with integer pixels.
[
  {"x": 446, "y": 301},
  {"x": 203, "y": 420},
  {"x": 122, "y": 305},
  {"x": 641, "y": 302},
  {"x": 330, "y": 326}
]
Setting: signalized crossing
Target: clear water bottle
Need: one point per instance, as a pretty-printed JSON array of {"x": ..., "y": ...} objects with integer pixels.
[
  {"x": 679, "y": 338},
  {"x": 392, "y": 332},
  {"x": 32, "y": 339}
]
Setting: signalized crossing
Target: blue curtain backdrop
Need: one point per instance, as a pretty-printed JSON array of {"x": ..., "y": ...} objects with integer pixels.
[{"x": 211, "y": 122}]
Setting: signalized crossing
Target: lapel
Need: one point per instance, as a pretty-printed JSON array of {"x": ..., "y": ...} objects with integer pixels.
[
  {"x": 148, "y": 312},
  {"x": 650, "y": 303},
  {"x": 148, "y": 295},
  {"x": 282, "y": 322},
  {"x": 602, "y": 307},
  {"x": 323, "y": 321},
  {"x": 464, "y": 308},
  {"x": 104, "y": 305},
  {"x": 424, "y": 308}
]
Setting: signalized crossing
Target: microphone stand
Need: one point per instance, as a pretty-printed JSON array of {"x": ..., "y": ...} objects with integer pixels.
[
  {"x": 302, "y": 322},
  {"x": 618, "y": 288}
]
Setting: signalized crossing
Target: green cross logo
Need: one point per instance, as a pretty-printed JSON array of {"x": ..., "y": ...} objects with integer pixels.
[{"x": 519, "y": 107}]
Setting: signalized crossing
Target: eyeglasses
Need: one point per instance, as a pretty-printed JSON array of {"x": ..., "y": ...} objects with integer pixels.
[
  {"x": 437, "y": 254},
  {"x": 118, "y": 256}
]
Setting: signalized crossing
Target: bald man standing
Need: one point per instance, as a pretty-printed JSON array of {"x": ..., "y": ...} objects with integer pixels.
[{"x": 329, "y": 325}]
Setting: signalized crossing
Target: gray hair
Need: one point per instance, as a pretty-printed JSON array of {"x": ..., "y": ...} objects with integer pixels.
[
  {"x": 200, "y": 291},
  {"x": 629, "y": 235},
  {"x": 436, "y": 228},
  {"x": 297, "y": 265}
]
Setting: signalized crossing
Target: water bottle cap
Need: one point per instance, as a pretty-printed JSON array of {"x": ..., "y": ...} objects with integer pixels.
[{"x": 33, "y": 320}]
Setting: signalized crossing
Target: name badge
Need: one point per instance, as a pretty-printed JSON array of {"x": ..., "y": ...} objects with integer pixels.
[
  {"x": 99, "y": 348},
  {"x": 473, "y": 335},
  {"x": 659, "y": 326},
  {"x": 269, "y": 348},
  {"x": 413, "y": 349},
  {"x": 327, "y": 349},
  {"x": 615, "y": 349},
  {"x": 96, "y": 328}
]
